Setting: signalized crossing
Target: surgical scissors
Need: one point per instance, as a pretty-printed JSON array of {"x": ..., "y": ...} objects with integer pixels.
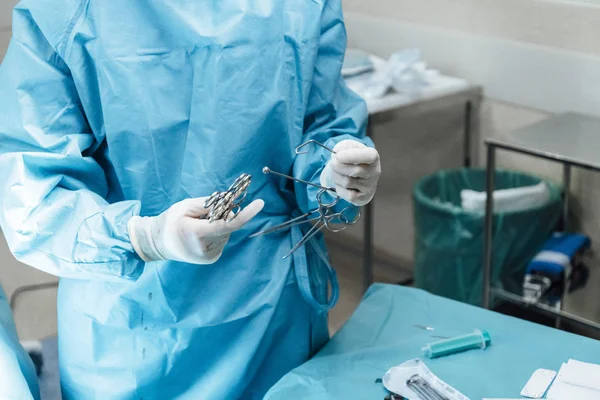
[
  {"x": 226, "y": 205},
  {"x": 324, "y": 216}
]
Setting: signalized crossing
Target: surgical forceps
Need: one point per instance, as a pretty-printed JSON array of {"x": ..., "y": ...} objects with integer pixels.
[
  {"x": 423, "y": 389},
  {"x": 226, "y": 205},
  {"x": 324, "y": 216}
]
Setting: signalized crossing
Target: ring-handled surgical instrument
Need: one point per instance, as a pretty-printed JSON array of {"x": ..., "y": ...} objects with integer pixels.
[
  {"x": 324, "y": 216},
  {"x": 267, "y": 170},
  {"x": 226, "y": 205}
]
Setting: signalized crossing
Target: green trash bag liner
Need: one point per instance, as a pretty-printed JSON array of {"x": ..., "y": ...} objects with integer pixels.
[{"x": 449, "y": 239}]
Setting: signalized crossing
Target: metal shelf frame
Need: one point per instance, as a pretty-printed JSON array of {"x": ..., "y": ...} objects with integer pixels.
[{"x": 583, "y": 126}]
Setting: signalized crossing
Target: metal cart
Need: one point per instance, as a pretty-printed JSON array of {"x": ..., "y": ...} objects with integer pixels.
[{"x": 570, "y": 139}]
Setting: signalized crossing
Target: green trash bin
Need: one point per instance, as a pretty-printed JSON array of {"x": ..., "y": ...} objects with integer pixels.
[{"x": 449, "y": 239}]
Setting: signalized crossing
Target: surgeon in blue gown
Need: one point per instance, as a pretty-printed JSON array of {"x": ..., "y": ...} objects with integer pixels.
[{"x": 117, "y": 119}]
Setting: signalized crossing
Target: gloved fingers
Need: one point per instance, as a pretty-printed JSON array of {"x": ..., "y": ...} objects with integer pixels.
[
  {"x": 222, "y": 227},
  {"x": 246, "y": 214},
  {"x": 354, "y": 197},
  {"x": 326, "y": 178},
  {"x": 357, "y": 156},
  {"x": 355, "y": 171},
  {"x": 348, "y": 182},
  {"x": 194, "y": 208},
  {"x": 348, "y": 144}
]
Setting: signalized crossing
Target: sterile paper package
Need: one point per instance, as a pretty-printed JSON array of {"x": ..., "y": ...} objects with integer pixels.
[
  {"x": 576, "y": 380},
  {"x": 397, "y": 380},
  {"x": 404, "y": 72}
]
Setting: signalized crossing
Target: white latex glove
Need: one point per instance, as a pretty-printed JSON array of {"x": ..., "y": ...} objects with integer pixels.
[
  {"x": 180, "y": 233},
  {"x": 353, "y": 171}
]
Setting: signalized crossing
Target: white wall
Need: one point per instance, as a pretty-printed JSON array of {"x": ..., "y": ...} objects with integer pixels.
[{"x": 568, "y": 25}]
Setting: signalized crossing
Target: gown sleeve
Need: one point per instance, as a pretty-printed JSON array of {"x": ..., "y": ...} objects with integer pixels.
[
  {"x": 334, "y": 112},
  {"x": 53, "y": 212}
]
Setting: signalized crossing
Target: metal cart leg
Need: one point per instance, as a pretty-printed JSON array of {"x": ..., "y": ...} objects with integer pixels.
[
  {"x": 368, "y": 235},
  {"x": 565, "y": 221},
  {"x": 566, "y": 191},
  {"x": 468, "y": 125},
  {"x": 368, "y": 252},
  {"x": 489, "y": 220}
]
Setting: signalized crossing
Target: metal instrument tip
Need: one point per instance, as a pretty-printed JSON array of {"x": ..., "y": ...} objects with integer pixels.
[{"x": 266, "y": 170}]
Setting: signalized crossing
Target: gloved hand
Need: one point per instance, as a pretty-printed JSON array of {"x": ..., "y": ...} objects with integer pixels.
[
  {"x": 353, "y": 171},
  {"x": 180, "y": 233}
]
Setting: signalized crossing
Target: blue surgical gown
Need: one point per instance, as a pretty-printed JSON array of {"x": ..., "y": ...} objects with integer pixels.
[{"x": 116, "y": 108}]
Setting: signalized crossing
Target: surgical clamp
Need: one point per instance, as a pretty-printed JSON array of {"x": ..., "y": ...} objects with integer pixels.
[
  {"x": 226, "y": 205},
  {"x": 324, "y": 216}
]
